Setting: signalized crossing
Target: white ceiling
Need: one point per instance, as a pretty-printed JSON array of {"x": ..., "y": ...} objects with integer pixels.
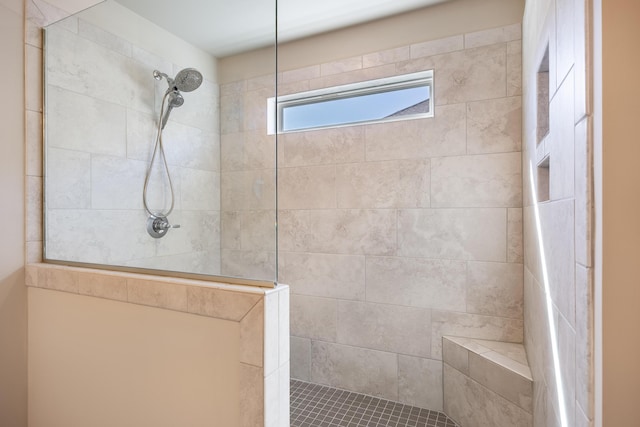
[{"x": 225, "y": 27}]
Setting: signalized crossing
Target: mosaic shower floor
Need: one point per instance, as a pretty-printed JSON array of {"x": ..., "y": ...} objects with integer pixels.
[{"x": 314, "y": 405}]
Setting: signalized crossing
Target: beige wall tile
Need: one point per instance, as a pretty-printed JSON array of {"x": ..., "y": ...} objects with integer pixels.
[
  {"x": 514, "y": 235},
  {"x": 455, "y": 355},
  {"x": 442, "y": 135},
  {"x": 255, "y": 113},
  {"x": 157, "y": 294},
  {"x": 301, "y": 358},
  {"x": 453, "y": 234},
  {"x": 34, "y": 252},
  {"x": 312, "y": 187},
  {"x": 370, "y": 73},
  {"x": 584, "y": 340},
  {"x": 230, "y": 225},
  {"x": 259, "y": 265},
  {"x": 365, "y": 371},
  {"x": 33, "y": 140},
  {"x": 259, "y": 150},
  {"x": 232, "y": 151},
  {"x": 469, "y": 403},
  {"x": 495, "y": 289},
  {"x": 472, "y": 326},
  {"x": 252, "y": 336},
  {"x": 506, "y": 383},
  {"x": 220, "y": 304},
  {"x": 251, "y": 396},
  {"x": 34, "y": 208},
  {"x": 257, "y": 232},
  {"x": 383, "y": 184},
  {"x": 514, "y": 68},
  {"x": 584, "y": 193},
  {"x": 385, "y": 327},
  {"x": 420, "y": 382},
  {"x": 496, "y": 180},
  {"x": 494, "y": 126},
  {"x": 435, "y": 47},
  {"x": 58, "y": 278},
  {"x": 416, "y": 282},
  {"x": 341, "y": 66},
  {"x": 323, "y": 275},
  {"x": 324, "y": 146},
  {"x": 69, "y": 179},
  {"x": 386, "y": 57},
  {"x": 300, "y": 74},
  {"x": 313, "y": 317},
  {"x": 231, "y": 113},
  {"x": 103, "y": 286},
  {"x": 338, "y": 231},
  {"x": 33, "y": 78},
  {"x": 493, "y": 36}
]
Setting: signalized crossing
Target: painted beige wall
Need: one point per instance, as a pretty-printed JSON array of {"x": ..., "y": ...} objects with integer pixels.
[
  {"x": 621, "y": 204},
  {"x": 123, "y": 365},
  {"x": 442, "y": 20},
  {"x": 13, "y": 299}
]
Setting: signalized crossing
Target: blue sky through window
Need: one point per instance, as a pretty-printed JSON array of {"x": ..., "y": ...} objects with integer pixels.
[{"x": 368, "y": 107}]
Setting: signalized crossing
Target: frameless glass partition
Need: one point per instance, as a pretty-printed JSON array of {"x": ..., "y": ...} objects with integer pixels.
[{"x": 157, "y": 154}]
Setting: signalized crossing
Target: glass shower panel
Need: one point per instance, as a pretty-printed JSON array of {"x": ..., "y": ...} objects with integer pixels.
[{"x": 131, "y": 81}]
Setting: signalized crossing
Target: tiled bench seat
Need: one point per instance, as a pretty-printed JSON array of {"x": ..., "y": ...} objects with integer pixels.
[{"x": 487, "y": 383}]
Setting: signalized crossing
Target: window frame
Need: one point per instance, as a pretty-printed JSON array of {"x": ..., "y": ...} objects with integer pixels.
[{"x": 276, "y": 105}]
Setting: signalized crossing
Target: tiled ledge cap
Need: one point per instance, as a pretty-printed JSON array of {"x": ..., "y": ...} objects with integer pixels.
[
  {"x": 211, "y": 299},
  {"x": 501, "y": 367}
]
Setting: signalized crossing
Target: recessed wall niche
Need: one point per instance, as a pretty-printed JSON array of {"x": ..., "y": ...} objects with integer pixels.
[{"x": 543, "y": 97}]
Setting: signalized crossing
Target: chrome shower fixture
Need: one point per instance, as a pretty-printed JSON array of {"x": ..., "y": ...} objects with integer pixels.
[{"x": 186, "y": 80}]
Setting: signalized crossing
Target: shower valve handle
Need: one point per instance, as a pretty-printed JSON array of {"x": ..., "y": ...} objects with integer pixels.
[{"x": 157, "y": 226}]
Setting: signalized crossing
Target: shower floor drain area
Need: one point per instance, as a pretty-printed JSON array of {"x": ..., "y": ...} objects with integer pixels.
[{"x": 314, "y": 405}]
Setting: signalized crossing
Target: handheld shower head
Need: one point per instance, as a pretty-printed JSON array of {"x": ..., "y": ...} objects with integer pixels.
[{"x": 188, "y": 80}]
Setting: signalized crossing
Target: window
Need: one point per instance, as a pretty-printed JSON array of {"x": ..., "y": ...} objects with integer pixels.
[{"x": 394, "y": 98}]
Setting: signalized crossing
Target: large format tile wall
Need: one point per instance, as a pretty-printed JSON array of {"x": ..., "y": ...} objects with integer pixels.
[
  {"x": 248, "y": 179},
  {"x": 103, "y": 105},
  {"x": 392, "y": 235},
  {"x": 559, "y": 298}
]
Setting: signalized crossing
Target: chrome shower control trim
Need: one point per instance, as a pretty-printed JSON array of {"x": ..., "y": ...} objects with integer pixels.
[{"x": 158, "y": 226}]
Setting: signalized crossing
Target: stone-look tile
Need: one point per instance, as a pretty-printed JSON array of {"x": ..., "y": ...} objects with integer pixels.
[
  {"x": 562, "y": 160},
  {"x": 324, "y": 146},
  {"x": 189, "y": 147},
  {"x": 219, "y": 303},
  {"x": 584, "y": 339},
  {"x": 107, "y": 286},
  {"x": 34, "y": 208},
  {"x": 455, "y": 355},
  {"x": 514, "y": 235},
  {"x": 230, "y": 226},
  {"x": 420, "y": 382},
  {"x": 284, "y": 322},
  {"x": 389, "y": 56},
  {"x": 390, "y": 184},
  {"x": 82, "y": 123},
  {"x": 233, "y": 88},
  {"x": 338, "y": 231},
  {"x": 536, "y": 334},
  {"x": 565, "y": 11},
  {"x": 539, "y": 404},
  {"x": 453, "y": 234},
  {"x": 435, "y": 47},
  {"x": 104, "y": 38},
  {"x": 199, "y": 190},
  {"x": 58, "y": 278},
  {"x": 306, "y": 73},
  {"x": 255, "y": 113},
  {"x": 271, "y": 331},
  {"x": 31, "y": 273},
  {"x": 34, "y": 252},
  {"x": 494, "y": 126},
  {"x": 514, "y": 68},
  {"x": 495, "y": 289},
  {"x": 33, "y": 139},
  {"x": 385, "y": 327},
  {"x": 111, "y": 179},
  {"x": 312, "y": 187},
  {"x": 323, "y": 275},
  {"x": 259, "y": 150},
  {"x": 252, "y": 335},
  {"x": 504, "y": 382},
  {"x": 199, "y": 232},
  {"x": 231, "y": 113},
  {"x": 472, "y": 326},
  {"x": 251, "y": 396},
  {"x": 582, "y": 420},
  {"x": 361, "y": 370},
  {"x": 267, "y": 81},
  {"x": 232, "y": 151},
  {"x": 313, "y": 317},
  {"x": 568, "y": 363},
  {"x": 438, "y": 284},
  {"x": 530, "y": 240},
  {"x": 259, "y": 265},
  {"x": 493, "y": 36},
  {"x": 441, "y": 135},
  {"x": 510, "y": 355},
  {"x": 496, "y": 180},
  {"x": 293, "y": 87},
  {"x": 157, "y": 294},
  {"x": 33, "y": 78},
  {"x": 355, "y": 76},
  {"x": 257, "y": 232},
  {"x": 301, "y": 358},
  {"x": 583, "y": 193},
  {"x": 247, "y": 190},
  {"x": 470, "y": 404},
  {"x": 582, "y": 72},
  {"x": 558, "y": 219},
  {"x": 341, "y": 66},
  {"x": 467, "y": 75},
  {"x": 69, "y": 180},
  {"x": 272, "y": 400}
]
